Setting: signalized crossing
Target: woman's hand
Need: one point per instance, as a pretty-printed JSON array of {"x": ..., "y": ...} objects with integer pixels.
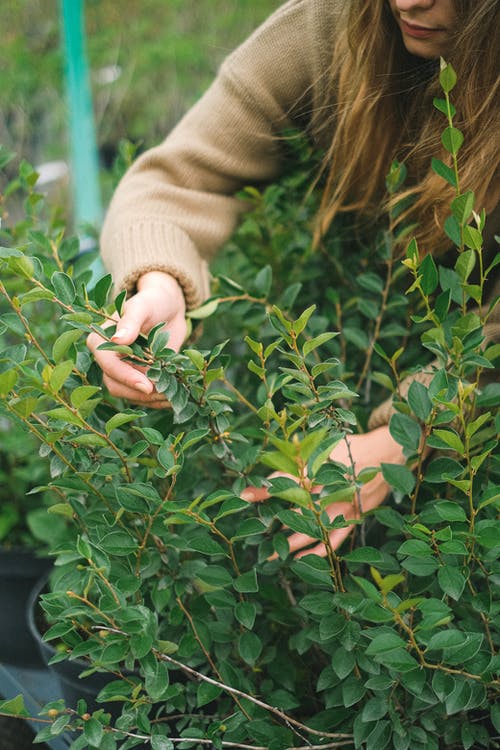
[
  {"x": 159, "y": 299},
  {"x": 357, "y": 452}
]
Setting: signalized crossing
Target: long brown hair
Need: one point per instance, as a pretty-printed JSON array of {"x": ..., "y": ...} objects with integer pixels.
[{"x": 384, "y": 111}]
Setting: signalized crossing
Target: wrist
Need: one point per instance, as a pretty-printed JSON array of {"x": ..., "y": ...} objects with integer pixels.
[{"x": 162, "y": 280}]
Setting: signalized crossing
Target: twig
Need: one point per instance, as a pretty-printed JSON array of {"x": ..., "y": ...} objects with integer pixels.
[{"x": 276, "y": 711}]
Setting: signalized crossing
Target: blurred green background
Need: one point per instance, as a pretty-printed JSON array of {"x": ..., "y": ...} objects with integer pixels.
[{"x": 149, "y": 60}]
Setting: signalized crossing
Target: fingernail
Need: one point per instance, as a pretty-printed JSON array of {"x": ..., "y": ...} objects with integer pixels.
[
  {"x": 120, "y": 334},
  {"x": 248, "y": 496},
  {"x": 144, "y": 387}
]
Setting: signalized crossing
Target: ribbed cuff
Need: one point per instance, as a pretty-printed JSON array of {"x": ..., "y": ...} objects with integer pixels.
[{"x": 150, "y": 245}]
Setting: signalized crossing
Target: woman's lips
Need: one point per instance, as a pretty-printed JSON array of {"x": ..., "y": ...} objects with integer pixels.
[{"x": 419, "y": 32}]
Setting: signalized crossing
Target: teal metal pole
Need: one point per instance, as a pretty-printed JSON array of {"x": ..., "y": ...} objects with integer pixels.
[{"x": 83, "y": 147}]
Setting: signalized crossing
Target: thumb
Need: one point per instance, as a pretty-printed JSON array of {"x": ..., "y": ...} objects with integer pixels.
[{"x": 132, "y": 322}]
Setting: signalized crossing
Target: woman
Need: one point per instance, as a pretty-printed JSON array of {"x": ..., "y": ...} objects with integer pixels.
[{"x": 358, "y": 77}]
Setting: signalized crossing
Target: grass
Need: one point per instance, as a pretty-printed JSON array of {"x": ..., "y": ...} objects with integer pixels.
[{"x": 167, "y": 52}]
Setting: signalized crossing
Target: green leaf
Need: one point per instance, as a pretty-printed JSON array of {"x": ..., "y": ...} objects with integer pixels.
[
  {"x": 429, "y": 275},
  {"x": 405, "y": 431},
  {"x": 419, "y": 401},
  {"x": 119, "y": 301},
  {"x": 447, "y": 77},
  {"x": 453, "y": 547},
  {"x": 117, "y": 420},
  {"x": 318, "y": 602},
  {"x": 156, "y": 684},
  {"x": 399, "y": 477},
  {"x": 8, "y": 379},
  {"x": 375, "y": 708},
  {"x": 442, "y": 305},
  {"x": 387, "y": 641},
  {"x": 287, "y": 489},
  {"x": 245, "y": 613},
  {"x": 14, "y": 706},
  {"x": 317, "y": 341},
  {"x": 331, "y": 625},
  {"x": 279, "y": 462},
  {"x": 199, "y": 313},
  {"x": 343, "y": 661},
  {"x": 215, "y": 575},
  {"x": 63, "y": 287},
  {"x": 372, "y": 282},
  {"x": 451, "y": 581},
  {"x": 313, "y": 570},
  {"x": 448, "y": 510},
  {"x": 353, "y": 691},
  {"x": 64, "y": 342},
  {"x": 459, "y": 698},
  {"x": 416, "y": 548},
  {"x": 119, "y": 543},
  {"x": 420, "y": 566},
  {"x": 368, "y": 555},
  {"x": 263, "y": 281},
  {"x": 196, "y": 358},
  {"x": 81, "y": 394},
  {"x": 206, "y": 693},
  {"x": 473, "y": 238},
  {"x": 447, "y": 173},
  {"x": 452, "y": 230},
  {"x": 163, "y": 743},
  {"x": 488, "y": 533},
  {"x": 462, "y": 207},
  {"x": 35, "y": 295},
  {"x": 300, "y": 524},
  {"x": 465, "y": 264},
  {"x": 64, "y": 415},
  {"x": 93, "y": 732},
  {"x": 249, "y": 647},
  {"x": 302, "y": 321},
  {"x": 10, "y": 252},
  {"x": 89, "y": 439},
  {"x": 249, "y": 527},
  {"x": 140, "y": 644},
  {"x": 451, "y": 439},
  {"x": 23, "y": 266},
  {"x": 247, "y": 582},
  {"x": 205, "y": 545},
  {"x": 69, "y": 248},
  {"x": 101, "y": 290},
  {"x": 452, "y": 139},
  {"x": 441, "y": 469},
  {"x": 59, "y": 375},
  {"x": 131, "y": 501}
]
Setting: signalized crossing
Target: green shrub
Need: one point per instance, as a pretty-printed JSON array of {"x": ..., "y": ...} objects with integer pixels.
[{"x": 210, "y": 629}]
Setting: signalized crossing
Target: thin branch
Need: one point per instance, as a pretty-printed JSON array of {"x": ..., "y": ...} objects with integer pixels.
[{"x": 276, "y": 711}]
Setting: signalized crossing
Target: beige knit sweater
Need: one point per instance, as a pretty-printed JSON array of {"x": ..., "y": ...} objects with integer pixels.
[{"x": 175, "y": 207}]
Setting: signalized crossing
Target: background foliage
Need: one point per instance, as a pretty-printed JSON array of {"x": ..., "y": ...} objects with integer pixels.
[{"x": 164, "y": 53}]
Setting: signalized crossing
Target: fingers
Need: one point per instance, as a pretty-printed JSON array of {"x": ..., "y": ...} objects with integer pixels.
[
  {"x": 121, "y": 378},
  {"x": 159, "y": 300},
  {"x": 152, "y": 399},
  {"x": 255, "y": 494}
]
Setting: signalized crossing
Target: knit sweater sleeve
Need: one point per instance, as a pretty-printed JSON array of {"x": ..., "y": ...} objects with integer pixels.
[{"x": 175, "y": 207}]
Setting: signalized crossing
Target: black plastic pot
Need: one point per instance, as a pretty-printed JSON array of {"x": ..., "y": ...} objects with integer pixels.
[{"x": 19, "y": 572}]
